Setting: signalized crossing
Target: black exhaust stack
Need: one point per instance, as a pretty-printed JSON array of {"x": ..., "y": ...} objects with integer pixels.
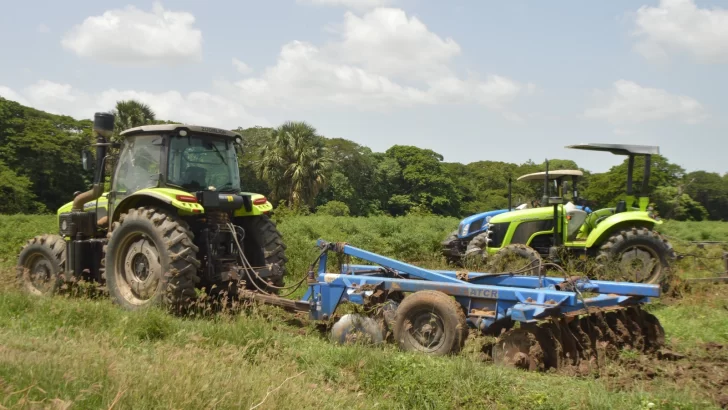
[
  {"x": 83, "y": 251},
  {"x": 103, "y": 129}
]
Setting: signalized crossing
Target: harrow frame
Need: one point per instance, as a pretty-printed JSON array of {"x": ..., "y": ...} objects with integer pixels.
[{"x": 485, "y": 298}]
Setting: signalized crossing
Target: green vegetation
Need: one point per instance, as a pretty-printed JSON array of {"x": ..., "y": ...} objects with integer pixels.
[
  {"x": 293, "y": 163},
  {"x": 90, "y": 354},
  {"x": 87, "y": 353}
]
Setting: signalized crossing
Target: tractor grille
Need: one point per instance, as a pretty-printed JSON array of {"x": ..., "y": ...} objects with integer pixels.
[
  {"x": 498, "y": 233},
  {"x": 476, "y": 225}
]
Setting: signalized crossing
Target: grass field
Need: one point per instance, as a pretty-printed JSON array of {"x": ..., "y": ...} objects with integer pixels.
[{"x": 86, "y": 353}]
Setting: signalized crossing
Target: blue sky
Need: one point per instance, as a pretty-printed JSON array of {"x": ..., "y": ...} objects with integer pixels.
[{"x": 472, "y": 80}]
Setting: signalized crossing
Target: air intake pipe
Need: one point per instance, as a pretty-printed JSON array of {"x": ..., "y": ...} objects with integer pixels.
[{"x": 102, "y": 131}]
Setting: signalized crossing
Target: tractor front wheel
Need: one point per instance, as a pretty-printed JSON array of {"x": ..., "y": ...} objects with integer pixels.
[
  {"x": 450, "y": 249},
  {"x": 41, "y": 263},
  {"x": 431, "y": 322},
  {"x": 516, "y": 258},
  {"x": 637, "y": 255},
  {"x": 150, "y": 261}
]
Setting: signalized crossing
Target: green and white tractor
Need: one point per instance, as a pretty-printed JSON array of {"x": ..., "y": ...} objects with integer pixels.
[
  {"x": 620, "y": 240},
  {"x": 174, "y": 221}
]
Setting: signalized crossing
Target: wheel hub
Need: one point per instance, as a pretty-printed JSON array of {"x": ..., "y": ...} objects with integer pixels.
[
  {"x": 141, "y": 271},
  {"x": 427, "y": 330},
  {"x": 638, "y": 263},
  {"x": 40, "y": 274}
]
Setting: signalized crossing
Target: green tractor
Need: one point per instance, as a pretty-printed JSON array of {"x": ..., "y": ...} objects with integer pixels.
[
  {"x": 174, "y": 221},
  {"x": 621, "y": 239}
]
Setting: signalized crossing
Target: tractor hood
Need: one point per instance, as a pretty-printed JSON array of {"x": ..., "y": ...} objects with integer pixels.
[
  {"x": 477, "y": 222},
  {"x": 530, "y": 214}
]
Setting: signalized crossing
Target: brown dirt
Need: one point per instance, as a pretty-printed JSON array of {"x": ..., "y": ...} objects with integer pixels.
[
  {"x": 692, "y": 372},
  {"x": 599, "y": 345}
]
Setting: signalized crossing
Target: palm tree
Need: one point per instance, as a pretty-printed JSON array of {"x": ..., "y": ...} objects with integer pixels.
[
  {"x": 132, "y": 113},
  {"x": 294, "y": 164}
]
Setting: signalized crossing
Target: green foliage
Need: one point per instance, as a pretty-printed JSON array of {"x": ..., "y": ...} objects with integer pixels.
[
  {"x": 16, "y": 193},
  {"x": 333, "y": 208},
  {"x": 44, "y": 149},
  {"x": 711, "y": 191},
  {"x": 420, "y": 179},
  {"x": 294, "y": 163},
  {"x": 673, "y": 204},
  {"x": 130, "y": 114}
]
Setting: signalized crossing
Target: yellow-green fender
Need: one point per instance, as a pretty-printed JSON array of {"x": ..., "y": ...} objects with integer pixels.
[
  {"x": 168, "y": 196},
  {"x": 622, "y": 219}
]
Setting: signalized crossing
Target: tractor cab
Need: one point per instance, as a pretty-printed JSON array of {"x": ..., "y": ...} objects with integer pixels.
[
  {"x": 556, "y": 188},
  {"x": 180, "y": 158}
]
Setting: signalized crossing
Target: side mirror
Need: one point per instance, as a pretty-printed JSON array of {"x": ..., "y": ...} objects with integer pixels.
[{"x": 86, "y": 160}]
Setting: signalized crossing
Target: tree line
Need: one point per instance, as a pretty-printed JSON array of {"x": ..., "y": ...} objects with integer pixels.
[{"x": 300, "y": 169}]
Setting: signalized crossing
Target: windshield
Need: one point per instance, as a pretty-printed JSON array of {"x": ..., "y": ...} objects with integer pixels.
[
  {"x": 199, "y": 163},
  {"x": 138, "y": 166}
]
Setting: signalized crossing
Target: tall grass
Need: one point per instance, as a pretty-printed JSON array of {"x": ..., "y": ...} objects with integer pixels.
[
  {"x": 90, "y": 354},
  {"x": 83, "y": 353}
]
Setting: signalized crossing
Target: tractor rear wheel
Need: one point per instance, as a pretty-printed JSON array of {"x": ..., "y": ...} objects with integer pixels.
[
  {"x": 431, "y": 322},
  {"x": 263, "y": 246},
  {"x": 150, "y": 261},
  {"x": 637, "y": 255},
  {"x": 517, "y": 258},
  {"x": 41, "y": 263}
]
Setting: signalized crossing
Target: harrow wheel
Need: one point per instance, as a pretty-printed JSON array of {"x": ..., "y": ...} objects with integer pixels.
[
  {"x": 583, "y": 343},
  {"x": 430, "y": 322}
]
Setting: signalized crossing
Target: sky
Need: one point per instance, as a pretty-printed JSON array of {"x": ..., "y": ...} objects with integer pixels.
[{"x": 472, "y": 80}]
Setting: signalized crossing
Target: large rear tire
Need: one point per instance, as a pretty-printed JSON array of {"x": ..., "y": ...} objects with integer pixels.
[
  {"x": 263, "y": 246},
  {"x": 41, "y": 263},
  {"x": 638, "y": 255},
  {"x": 151, "y": 261}
]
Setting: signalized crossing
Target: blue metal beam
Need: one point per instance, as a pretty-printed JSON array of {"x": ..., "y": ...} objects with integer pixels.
[
  {"x": 425, "y": 274},
  {"x": 501, "y": 293},
  {"x": 522, "y": 281}
]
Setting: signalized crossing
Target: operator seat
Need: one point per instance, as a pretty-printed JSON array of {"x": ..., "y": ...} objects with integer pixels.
[
  {"x": 194, "y": 178},
  {"x": 576, "y": 218}
]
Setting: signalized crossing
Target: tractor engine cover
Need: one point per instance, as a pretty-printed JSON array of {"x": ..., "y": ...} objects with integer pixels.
[
  {"x": 74, "y": 223},
  {"x": 222, "y": 201}
]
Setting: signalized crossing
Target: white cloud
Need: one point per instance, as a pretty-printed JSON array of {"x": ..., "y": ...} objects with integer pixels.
[
  {"x": 387, "y": 42},
  {"x": 134, "y": 36},
  {"x": 10, "y": 94},
  {"x": 629, "y": 102},
  {"x": 352, "y": 4},
  {"x": 380, "y": 60},
  {"x": 193, "y": 108},
  {"x": 679, "y": 25},
  {"x": 241, "y": 67}
]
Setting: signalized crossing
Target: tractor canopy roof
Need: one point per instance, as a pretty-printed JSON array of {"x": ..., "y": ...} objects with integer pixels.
[
  {"x": 619, "y": 149},
  {"x": 197, "y": 129},
  {"x": 555, "y": 174}
]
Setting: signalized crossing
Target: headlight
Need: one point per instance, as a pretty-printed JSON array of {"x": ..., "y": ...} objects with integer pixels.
[
  {"x": 487, "y": 219},
  {"x": 465, "y": 230}
]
